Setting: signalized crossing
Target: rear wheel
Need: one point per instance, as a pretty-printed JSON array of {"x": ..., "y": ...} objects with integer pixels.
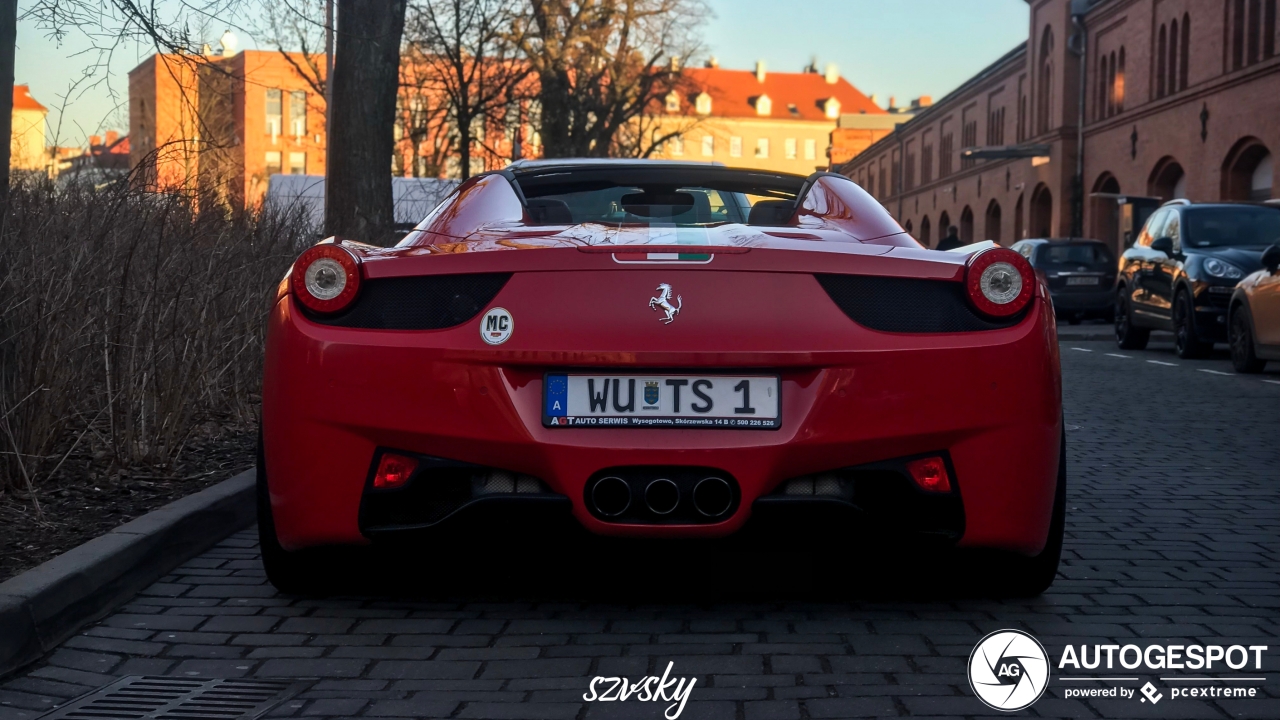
[
  {"x": 1243, "y": 355},
  {"x": 304, "y": 572},
  {"x": 1020, "y": 576},
  {"x": 1185, "y": 341},
  {"x": 1128, "y": 337}
]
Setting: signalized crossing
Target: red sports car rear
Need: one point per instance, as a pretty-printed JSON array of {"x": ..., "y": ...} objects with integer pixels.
[{"x": 661, "y": 350}]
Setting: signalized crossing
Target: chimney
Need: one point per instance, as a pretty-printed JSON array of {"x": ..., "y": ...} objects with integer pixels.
[
  {"x": 675, "y": 63},
  {"x": 713, "y": 62},
  {"x": 760, "y": 71},
  {"x": 893, "y": 103},
  {"x": 926, "y": 101},
  {"x": 95, "y": 140},
  {"x": 832, "y": 75},
  {"x": 875, "y": 99},
  {"x": 112, "y": 136}
]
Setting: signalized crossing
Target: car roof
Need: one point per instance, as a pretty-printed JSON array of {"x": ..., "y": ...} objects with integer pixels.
[{"x": 548, "y": 163}]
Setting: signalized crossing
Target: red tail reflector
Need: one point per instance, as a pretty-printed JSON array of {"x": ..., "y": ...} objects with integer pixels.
[
  {"x": 393, "y": 471},
  {"x": 930, "y": 474},
  {"x": 326, "y": 278}
]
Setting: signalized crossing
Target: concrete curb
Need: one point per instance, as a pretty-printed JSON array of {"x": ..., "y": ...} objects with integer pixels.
[{"x": 47, "y": 604}]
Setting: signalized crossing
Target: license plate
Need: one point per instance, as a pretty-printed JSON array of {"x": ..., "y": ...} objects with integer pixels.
[
  {"x": 744, "y": 402},
  {"x": 1082, "y": 281}
]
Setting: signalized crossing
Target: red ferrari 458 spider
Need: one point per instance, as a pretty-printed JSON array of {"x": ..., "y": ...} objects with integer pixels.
[{"x": 661, "y": 350}]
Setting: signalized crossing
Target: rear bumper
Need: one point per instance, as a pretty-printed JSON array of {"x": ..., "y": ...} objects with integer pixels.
[{"x": 990, "y": 400}]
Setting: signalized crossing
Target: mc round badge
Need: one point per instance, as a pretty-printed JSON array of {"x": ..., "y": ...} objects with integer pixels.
[
  {"x": 496, "y": 326},
  {"x": 1008, "y": 670}
]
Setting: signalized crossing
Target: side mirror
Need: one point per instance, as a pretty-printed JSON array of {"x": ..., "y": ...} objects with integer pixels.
[
  {"x": 1271, "y": 258},
  {"x": 1164, "y": 245}
]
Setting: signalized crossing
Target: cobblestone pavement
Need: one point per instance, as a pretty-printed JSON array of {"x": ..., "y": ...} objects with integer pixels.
[{"x": 1174, "y": 507}]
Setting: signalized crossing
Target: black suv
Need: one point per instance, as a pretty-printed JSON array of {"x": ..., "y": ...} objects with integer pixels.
[
  {"x": 1181, "y": 271},
  {"x": 1081, "y": 275}
]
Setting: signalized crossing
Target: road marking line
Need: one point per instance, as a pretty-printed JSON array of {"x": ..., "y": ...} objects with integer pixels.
[
  {"x": 1212, "y": 372},
  {"x": 1158, "y": 362},
  {"x": 1082, "y": 349},
  {"x": 1126, "y": 357},
  {"x": 1273, "y": 382}
]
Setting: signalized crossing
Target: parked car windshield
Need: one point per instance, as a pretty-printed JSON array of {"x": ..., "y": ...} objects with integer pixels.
[
  {"x": 1074, "y": 254},
  {"x": 1230, "y": 226}
]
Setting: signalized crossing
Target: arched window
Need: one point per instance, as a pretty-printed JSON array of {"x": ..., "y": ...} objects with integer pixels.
[
  {"x": 1018, "y": 233},
  {"x": 926, "y": 231},
  {"x": 993, "y": 222},
  {"x": 966, "y": 225},
  {"x": 1269, "y": 29},
  {"x": 1044, "y": 93},
  {"x": 1112, "y": 98},
  {"x": 1162, "y": 53},
  {"x": 1186, "y": 51},
  {"x": 1173, "y": 56},
  {"x": 1237, "y": 34},
  {"x": 1253, "y": 30},
  {"x": 1167, "y": 181},
  {"x": 1041, "y": 212},
  {"x": 1120, "y": 83},
  {"x": 944, "y": 224},
  {"x": 1247, "y": 172},
  {"x": 1100, "y": 108}
]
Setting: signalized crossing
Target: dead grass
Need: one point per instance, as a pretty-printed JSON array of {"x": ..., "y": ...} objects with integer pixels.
[{"x": 128, "y": 322}]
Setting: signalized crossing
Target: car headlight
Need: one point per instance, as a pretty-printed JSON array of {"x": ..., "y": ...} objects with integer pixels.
[{"x": 1220, "y": 269}]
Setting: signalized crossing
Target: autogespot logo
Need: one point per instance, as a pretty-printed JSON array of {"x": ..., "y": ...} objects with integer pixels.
[{"x": 1008, "y": 670}]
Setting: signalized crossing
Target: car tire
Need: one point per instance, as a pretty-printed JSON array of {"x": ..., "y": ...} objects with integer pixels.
[
  {"x": 1244, "y": 355},
  {"x": 1128, "y": 337},
  {"x": 1186, "y": 343},
  {"x": 1021, "y": 576},
  {"x": 304, "y": 572}
]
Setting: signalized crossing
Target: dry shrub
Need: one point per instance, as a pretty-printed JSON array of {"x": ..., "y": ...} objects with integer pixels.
[{"x": 128, "y": 319}]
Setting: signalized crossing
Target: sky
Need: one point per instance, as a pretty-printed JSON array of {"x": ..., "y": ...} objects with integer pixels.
[{"x": 903, "y": 48}]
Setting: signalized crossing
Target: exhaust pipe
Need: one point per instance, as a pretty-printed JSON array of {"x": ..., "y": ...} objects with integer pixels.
[
  {"x": 662, "y": 496},
  {"x": 712, "y": 496},
  {"x": 611, "y": 496}
]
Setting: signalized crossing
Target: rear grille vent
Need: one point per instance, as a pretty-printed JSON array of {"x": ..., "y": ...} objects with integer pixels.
[
  {"x": 165, "y": 698},
  {"x": 908, "y": 305},
  {"x": 429, "y": 302}
]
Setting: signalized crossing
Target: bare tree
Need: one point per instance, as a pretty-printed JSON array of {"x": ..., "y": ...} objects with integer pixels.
[
  {"x": 296, "y": 29},
  {"x": 424, "y": 124},
  {"x": 469, "y": 58},
  {"x": 601, "y": 65},
  {"x": 366, "y": 76}
]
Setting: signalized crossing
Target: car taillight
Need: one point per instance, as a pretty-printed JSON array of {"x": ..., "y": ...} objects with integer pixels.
[
  {"x": 393, "y": 471},
  {"x": 930, "y": 474},
  {"x": 999, "y": 281},
  {"x": 326, "y": 278}
]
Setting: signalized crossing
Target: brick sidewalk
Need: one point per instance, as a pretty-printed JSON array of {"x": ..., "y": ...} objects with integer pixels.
[{"x": 1172, "y": 538}]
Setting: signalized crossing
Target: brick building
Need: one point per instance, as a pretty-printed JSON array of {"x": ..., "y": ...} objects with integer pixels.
[
  {"x": 223, "y": 124},
  {"x": 1181, "y": 98},
  {"x": 765, "y": 120}
]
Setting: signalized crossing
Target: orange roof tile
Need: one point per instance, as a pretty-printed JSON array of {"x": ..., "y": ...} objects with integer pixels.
[
  {"x": 22, "y": 99},
  {"x": 734, "y": 92}
]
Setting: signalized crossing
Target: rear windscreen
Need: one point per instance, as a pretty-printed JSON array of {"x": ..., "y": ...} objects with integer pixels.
[
  {"x": 1074, "y": 254},
  {"x": 655, "y": 195}
]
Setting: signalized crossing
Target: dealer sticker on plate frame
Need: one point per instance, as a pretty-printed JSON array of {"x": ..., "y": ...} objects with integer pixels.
[{"x": 739, "y": 402}]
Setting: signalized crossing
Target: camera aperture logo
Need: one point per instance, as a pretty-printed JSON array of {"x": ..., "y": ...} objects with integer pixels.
[
  {"x": 647, "y": 689},
  {"x": 1008, "y": 670}
]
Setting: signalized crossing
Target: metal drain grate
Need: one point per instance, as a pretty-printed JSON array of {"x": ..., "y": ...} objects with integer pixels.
[{"x": 170, "y": 698}]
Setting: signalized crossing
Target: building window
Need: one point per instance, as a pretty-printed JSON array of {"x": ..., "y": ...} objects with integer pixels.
[
  {"x": 677, "y": 145},
  {"x": 947, "y": 152},
  {"x": 298, "y": 113},
  {"x": 673, "y": 102},
  {"x": 275, "y": 114},
  {"x": 735, "y": 147},
  {"x": 764, "y": 106},
  {"x": 910, "y": 173},
  {"x": 1237, "y": 34},
  {"x": 789, "y": 145},
  {"x": 708, "y": 146},
  {"x": 1162, "y": 51},
  {"x": 273, "y": 162},
  {"x": 1173, "y": 57},
  {"x": 1186, "y": 51},
  {"x": 1119, "y": 89},
  {"x": 810, "y": 149},
  {"x": 968, "y": 139},
  {"x": 1268, "y": 31},
  {"x": 1044, "y": 93},
  {"x": 703, "y": 106},
  {"x": 297, "y": 163},
  {"x": 926, "y": 159},
  {"x": 1022, "y": 112},
  {"x": 995, "y": 127},
  {"x": 762, "y": 147}
]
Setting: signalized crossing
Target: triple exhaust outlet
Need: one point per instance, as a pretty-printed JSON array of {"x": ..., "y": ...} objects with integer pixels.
[{"x": 612, "y": 497}]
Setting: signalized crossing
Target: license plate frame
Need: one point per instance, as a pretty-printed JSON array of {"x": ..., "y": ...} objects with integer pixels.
[{"x": 767, "y": 416}]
